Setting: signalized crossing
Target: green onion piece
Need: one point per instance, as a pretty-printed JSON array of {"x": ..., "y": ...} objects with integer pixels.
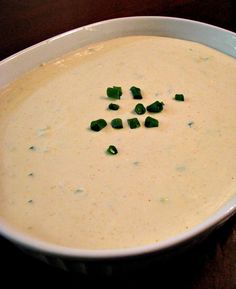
[
  {"x": 179, "y": 97},
  {"x": 133, "y": 123},
  {"x": 140, "y": 109},
  {"x": 32, "y": 148},
  {"x": 98, "y": 124},
  {"x": 114, "y": 92},
  {"x": 157, "y": 106},
  {"x": 113, "y": 106},
  {"x": 117, "y": 123},
  {"x": 136, "y": 92},
  {"x": 151, "y": 122},
  {"x": 190, "y": 123},
  {"x": 112, "y": 150}
]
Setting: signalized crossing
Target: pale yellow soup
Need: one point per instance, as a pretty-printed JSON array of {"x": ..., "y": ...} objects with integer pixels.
[{"x": 58, "y": 184}]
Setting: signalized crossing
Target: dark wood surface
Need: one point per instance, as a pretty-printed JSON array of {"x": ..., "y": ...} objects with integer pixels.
[{"x": 210, "y": 265}]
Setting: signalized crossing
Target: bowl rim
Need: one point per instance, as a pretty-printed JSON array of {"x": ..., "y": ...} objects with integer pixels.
[
  {"x": 31, "y": 243},
  {"x": 35, "y": 244},
  {"x": 108, "y": 21}
]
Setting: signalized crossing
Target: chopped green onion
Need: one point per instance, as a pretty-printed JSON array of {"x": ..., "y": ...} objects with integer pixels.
[
  {"x": 79, "y": 191},
  {"x": 117, "y": 123},
  {"x": 136, "y": 92},
  {"x": 113, "y": 106},
  {"x": 151, "y": 122},
  {"x": 133, "y": 123},
  {"x": 32, "y": 148},
  {"x": 157, "y": 106},
  {"x": 114, "y": 92},
  {"x": 164, "y": 200},
  {"x": 98, "y": 124},
  {"x": 112, "y": 150},
  {"x": 179, "y": 97},
  {"x": 140, "y": 109}
]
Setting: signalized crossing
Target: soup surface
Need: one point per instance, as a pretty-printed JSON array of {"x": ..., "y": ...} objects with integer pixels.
[{"x": 58, "y": 184}]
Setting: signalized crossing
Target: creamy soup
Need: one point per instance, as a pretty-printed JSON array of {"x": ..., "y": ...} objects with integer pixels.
[{"x": 58, "y": 184}]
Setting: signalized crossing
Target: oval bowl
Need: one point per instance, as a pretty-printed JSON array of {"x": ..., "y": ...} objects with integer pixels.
[{"x": 116, "y": 260}]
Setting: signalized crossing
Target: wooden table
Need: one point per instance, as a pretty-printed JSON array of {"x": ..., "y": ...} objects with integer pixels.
[{"x": 210, "y": 265}]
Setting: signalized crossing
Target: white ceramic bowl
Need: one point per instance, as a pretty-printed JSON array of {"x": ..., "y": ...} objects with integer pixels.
[{"x": 107, "y": 261}]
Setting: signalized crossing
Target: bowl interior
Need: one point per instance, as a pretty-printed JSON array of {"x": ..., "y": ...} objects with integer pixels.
[{"x": 16, "y": 65}]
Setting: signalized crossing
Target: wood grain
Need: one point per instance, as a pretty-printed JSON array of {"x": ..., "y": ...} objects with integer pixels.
[{"x": 211, "y": 265}]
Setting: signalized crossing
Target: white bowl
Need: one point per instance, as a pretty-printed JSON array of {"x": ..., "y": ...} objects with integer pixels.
[{"x": 109, "y": 260}]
